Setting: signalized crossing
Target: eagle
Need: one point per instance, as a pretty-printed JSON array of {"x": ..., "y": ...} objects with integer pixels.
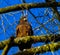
[{"x": 24, "y": 29}]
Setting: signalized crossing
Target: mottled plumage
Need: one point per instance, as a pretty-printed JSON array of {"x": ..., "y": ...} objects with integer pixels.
[{"x": 22, "y": 30}]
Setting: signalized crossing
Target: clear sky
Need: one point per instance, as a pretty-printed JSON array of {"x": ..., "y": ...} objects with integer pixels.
[{"x": 45, "y": 16}]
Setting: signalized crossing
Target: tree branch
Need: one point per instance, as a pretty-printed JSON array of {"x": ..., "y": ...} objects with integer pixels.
[
  {"x": 6, "y": 49},
  {"x": 28, "y": 6},
  {"x": 32, "y": 39},
  {"x": 45, "y": 48},
  {"x": 56, "y": 11},
  {"x": 8, "y": 46}
]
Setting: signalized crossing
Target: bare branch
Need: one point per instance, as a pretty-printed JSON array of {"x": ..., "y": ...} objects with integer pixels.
[
  {"x": 8, "y": 46},
  {"x": 5, "y": 51},
  {"x": 28, "y": 6}
]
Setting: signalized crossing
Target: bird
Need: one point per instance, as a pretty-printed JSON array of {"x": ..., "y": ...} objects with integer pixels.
[{"x": 24, "y": 29}]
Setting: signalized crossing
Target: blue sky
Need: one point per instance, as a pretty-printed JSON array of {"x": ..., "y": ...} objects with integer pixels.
[{"x": 45, "y": 16}]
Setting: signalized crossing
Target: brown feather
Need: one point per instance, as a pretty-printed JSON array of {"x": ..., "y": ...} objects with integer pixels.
[{"x": 22, "y": 30}]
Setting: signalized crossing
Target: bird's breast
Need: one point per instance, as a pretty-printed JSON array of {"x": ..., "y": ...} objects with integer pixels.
[{"x": 24, "y": 30}]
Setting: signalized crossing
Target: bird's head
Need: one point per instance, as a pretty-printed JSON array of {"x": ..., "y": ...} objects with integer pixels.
[{"x": 23, "y": 19}]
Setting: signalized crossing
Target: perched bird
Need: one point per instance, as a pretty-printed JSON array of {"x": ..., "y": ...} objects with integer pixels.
[{"x": 22, "y": 30}]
